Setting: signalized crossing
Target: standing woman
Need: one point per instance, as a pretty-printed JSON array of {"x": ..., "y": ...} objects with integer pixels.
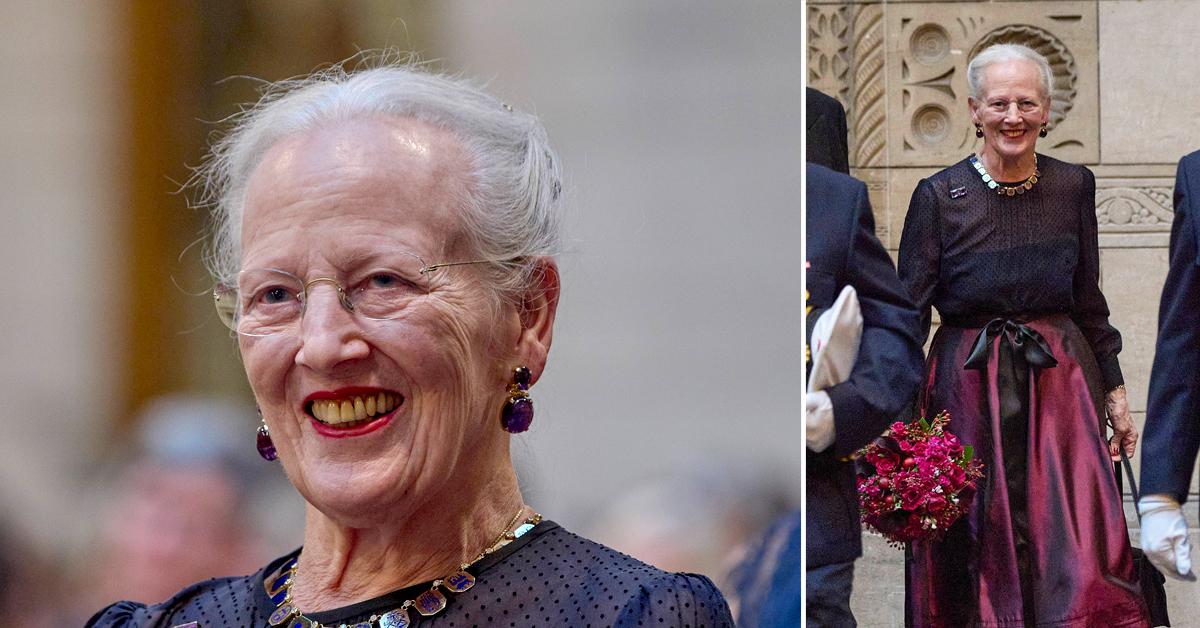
[{"x": 1004, "y": 244}]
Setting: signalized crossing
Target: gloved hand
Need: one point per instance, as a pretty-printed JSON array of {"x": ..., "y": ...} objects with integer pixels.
[
  {"x": 819, "y": 432},
  {"x": 1165, "y": 536}
]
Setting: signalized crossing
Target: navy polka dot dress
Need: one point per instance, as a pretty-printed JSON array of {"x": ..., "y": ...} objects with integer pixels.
[{"x": 548, "y": 577}]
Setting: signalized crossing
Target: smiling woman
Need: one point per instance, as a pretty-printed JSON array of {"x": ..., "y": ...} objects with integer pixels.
[
  {"x": 1004, "y": 244},
  {"x": 384, "y": 256}
]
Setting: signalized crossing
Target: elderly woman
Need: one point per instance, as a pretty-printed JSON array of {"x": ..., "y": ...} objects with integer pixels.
[
  {"x": 1004, "y": 244},
  {"x": 383, "y": 253}
]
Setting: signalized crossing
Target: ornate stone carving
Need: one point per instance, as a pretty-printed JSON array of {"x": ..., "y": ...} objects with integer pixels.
[
  {"x": 829, "y": 51},
  {"x": 928, "y": 46},
  {"x": 1134, "y": 208},
  {"x": 931, "y": 124},
  {"x": 868, "y": 114}
]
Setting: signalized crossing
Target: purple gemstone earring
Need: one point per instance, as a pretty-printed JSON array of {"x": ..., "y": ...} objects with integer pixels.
[
  {"x": 266, "y": 447},
  {"x": 518, "y": 410}
]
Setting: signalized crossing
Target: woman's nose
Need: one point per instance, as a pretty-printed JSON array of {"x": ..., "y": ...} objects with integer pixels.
[
  {"x": 1013, "y": 114},
  {"x": 330, "y": 334}
]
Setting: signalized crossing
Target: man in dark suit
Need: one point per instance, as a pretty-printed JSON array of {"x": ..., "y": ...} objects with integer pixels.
[
  {"x": 1172, "y": 434},
  {"x": 843, "y": 251},
  {"x": 825, "y": 132}
]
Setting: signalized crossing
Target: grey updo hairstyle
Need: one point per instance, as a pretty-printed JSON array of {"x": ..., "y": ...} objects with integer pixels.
[
  {"x": 999, "y": 53},
  {"x": 512, "y": 212}
]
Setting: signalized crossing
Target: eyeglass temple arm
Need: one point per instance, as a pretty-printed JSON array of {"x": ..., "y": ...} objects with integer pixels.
[{"x": 432, "y": 267}]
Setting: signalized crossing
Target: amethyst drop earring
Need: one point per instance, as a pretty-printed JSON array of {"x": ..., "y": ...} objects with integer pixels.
[
  {"x": 266, "y": 447},
  {"x": 978, "y": 131},
  {"x": 1043, "y": 132},
  {"x": 518, "y": 410}
]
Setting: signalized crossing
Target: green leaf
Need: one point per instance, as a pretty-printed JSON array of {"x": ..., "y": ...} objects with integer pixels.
[
  {"x": 924, "y": 424},
  {"x": 968, "y": 453}
]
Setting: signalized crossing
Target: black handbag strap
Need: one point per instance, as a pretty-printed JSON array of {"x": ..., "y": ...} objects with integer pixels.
[{"x": 1133, "y": 488}]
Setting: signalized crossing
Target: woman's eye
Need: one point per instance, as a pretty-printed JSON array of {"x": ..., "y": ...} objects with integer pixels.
[
  {"x": 274, "y": 295},
  {"x": 383, "y": 280},
  {"x": 389, "y": 281}
]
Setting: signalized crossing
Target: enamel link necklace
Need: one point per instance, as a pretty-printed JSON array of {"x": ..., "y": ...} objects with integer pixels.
[
  {"x": 429, "y": 603},
  {"x": 1006, "y": 190}
]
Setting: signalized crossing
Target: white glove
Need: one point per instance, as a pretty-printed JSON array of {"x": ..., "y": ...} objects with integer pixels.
[
  {"x": 818, "y": 421},
  {"x": 1165, "y": 536}
]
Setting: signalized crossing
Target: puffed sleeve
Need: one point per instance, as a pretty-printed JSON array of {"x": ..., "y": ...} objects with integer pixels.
[
  {"x": 123, "y": 615},
  {"x": 1090, "y": 311},
  {"x": 1172, "y": 434},
  {"x": 921, "y": 254},
  {"x": 675, "y": 601}
]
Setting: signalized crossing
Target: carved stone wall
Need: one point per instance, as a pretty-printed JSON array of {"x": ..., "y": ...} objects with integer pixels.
[
  {"x": 928, "y": 52},
  {"x": 829, "y": 50}
]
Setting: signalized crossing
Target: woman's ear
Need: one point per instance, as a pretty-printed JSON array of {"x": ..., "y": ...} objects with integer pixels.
[
  {"x": 972, "y": 104},
  {"x": 537, "y": 308}
]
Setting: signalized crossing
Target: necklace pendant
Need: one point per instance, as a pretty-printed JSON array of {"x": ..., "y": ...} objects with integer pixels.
[
  {"x": 525, "y": 527},
  {"x": 303, "y": 622},
  {"x": 279, "y": 584},
  {"x": 362, "y": 624},
  {"x": 282, "y": 614},
  {"x": 459, "y": 581},
  {"x": 395, "y": 619},
  {"x": 430, "y": 602}
]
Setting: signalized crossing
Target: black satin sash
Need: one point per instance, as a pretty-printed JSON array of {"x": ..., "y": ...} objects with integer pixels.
[{"x": 1021, "y": 350}]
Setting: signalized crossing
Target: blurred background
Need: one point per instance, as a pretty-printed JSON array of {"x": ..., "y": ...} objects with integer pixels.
[{"x": 668, "y": 420}]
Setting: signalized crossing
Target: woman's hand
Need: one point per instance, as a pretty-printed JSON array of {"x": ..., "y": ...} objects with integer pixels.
[{"x": 1116, "y": 405}]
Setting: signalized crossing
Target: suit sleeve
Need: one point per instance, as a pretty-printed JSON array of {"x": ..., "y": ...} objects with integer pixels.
[
  {"x": 888, "y": 369},
  {"x": 1172, "y": 431},
  {"x": 1090, "y": 310},
  {"x": 921, "y": 255}
]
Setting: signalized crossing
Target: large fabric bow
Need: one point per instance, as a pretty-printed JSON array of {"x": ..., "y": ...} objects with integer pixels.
[{"x": 1023, "y": 339}]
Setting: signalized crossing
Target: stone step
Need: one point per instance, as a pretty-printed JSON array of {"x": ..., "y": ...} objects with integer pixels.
[{"x": 878, "y": 597}]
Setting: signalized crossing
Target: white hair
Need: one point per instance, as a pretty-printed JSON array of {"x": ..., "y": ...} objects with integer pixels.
[
  {"x": 1000, "y": 53},
  {"x": 512, "y": 211}
]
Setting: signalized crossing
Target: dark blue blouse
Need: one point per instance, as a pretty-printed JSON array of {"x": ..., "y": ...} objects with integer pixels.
[
  {"x": 547, "y": 577},
  {"x": 976, "y": 255}
]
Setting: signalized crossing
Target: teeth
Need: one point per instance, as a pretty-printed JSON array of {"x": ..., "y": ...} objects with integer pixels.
[{"x": 353, "y": 410}]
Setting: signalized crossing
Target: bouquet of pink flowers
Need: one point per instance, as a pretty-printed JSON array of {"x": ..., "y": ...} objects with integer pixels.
[{"x": 916, "y": 480}]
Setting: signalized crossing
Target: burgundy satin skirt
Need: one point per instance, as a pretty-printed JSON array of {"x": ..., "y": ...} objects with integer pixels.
[{"x": 1045, "y": 542}]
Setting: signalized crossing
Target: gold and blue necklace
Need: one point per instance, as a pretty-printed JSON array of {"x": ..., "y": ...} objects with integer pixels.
[{"x": 428, "y": 603}]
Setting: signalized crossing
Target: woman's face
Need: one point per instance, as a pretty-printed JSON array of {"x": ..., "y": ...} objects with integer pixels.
[
  {"x": 1011, "y": 108},
  {"x": 336, "y": 202}
]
